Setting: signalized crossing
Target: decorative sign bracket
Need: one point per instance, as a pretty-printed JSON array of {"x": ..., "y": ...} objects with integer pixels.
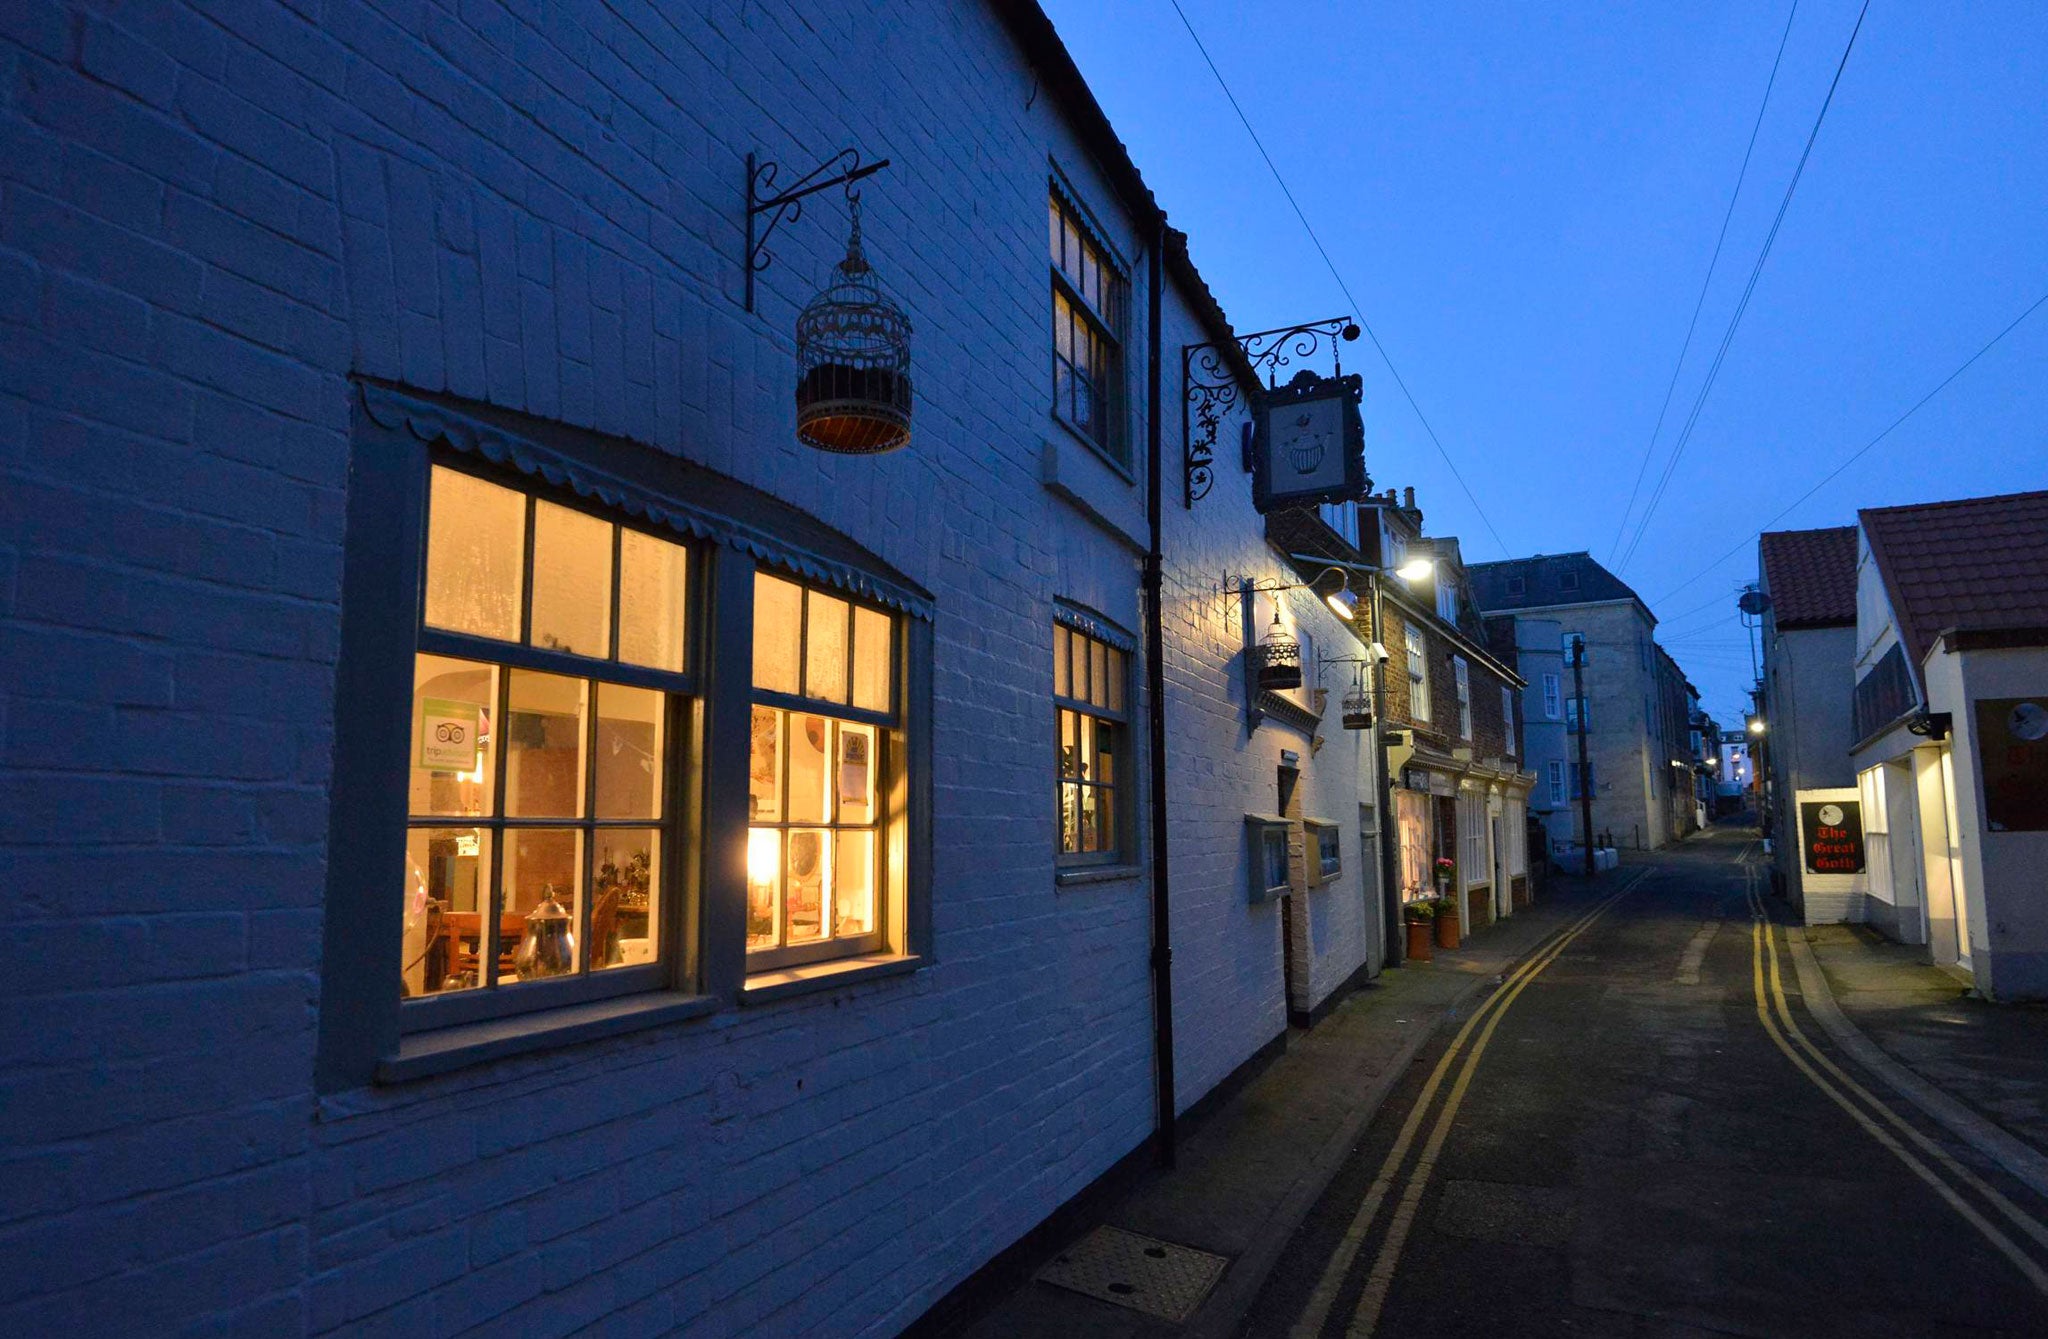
[
  {"x": 1210, "y": 389},
  {"x": 788, "y": 205}
]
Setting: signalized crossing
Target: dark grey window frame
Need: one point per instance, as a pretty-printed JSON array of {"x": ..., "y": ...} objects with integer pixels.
[
  {"x": 1114, "y": 444},
  {"x": 396, "y": 435},
  {"x": 1260, "y": 829},
  {"x": 1123, "y": 791}
]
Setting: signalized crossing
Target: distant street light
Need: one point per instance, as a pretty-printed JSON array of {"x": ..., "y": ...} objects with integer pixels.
[{"x": 1756, "y": 725}]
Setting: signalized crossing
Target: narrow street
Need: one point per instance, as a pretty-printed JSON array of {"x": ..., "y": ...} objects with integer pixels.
[{"x": 1642, "y": 1132}]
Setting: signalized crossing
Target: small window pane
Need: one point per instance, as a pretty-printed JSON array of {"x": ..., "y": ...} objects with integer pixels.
[
  {"x": 809, "y": 797},
  {"x": 874, "y": 659},
  {"x": 1105, "y": 819},
  {"x": 653, "y": 594},
  {"x": 542, "y": 863},
  {"x": 572, "y": 581},
  {"x": 544, "y": 746},
  {"x": 1060, "y": 653},
  {"x": 1070, "y": 744},
  {"x": 476, "y": 554},
  {"x": 1117, "y": 671},
  {"x": 856, "y": 780},
  {"x": 764, "y": 887},
  {"x": 853, "y": 890},
  {"x": 629, "y": 752},
  {"x": 1090, "y": 819},
  {"x": 1070, "y": 818},
  {"x": 810, "y": 884},
  {"x": 453, "y": 753},
  {"x": 1052, "y": 211},
  {"x": 1098, "y": 673},
  {"x": 1105, "y": 752},
  {"x": 447, "y": 874},
  {"x": 778, "y": 633},
  {"x": 764, "y": 766},
  {"x": 625, "y": 911},
  {"x": 825, "y": 648},
  {"x": 1273, "y": 845}
]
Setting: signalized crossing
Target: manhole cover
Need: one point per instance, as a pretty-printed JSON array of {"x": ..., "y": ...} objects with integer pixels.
[{"x": 1155, "y": 1277}]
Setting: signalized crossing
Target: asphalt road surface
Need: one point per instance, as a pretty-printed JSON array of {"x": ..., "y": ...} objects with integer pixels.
[{"x": 1641, "y": 1132}]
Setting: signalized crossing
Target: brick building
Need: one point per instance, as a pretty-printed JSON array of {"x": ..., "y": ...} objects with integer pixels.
[{"x": 408, "y": 559}]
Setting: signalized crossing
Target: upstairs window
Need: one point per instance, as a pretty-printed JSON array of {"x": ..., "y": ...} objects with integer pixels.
[
  {"x": 1569, "y": 581},
  {"x": 547, "y": 689},
  {"x": 1446, "y": 600},
  {"x": 1556, "y": 777},
  {"x": 1577, "y": 714},
  {"x": 1092, "y": 736},
  {"x": 1418, "y": 676},
  {"x": 825, "y": 763},
  {"x": 1517, "y": 587},
  {"x": 1461, "y": 675},
  {"x": 1553, "y": 697},
  {"x": 1507, "y": 716},
  {"x": 1088, "y": 293}
]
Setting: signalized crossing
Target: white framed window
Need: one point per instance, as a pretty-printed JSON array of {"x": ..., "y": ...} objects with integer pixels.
[
  {"x": 1556, "y": 778},
  {"x": 1553, "y": 697},
  {"x": 1578, "y": 713},
  {"x": 548, "y": 681},
  {"x": 821, "y": 771},
  {"x": 1418, "y": 675},
  {"x": 1090, "y": 685},
  {"x": 1341, "y": 517},
  {"x": 1461, "y": 674},
  {"x": 1578, "y": 639},
  {"x": 1088, "y": 287},
  {"x": 1472, "y": 863},
  {"x": 1507, "y": 716},
  {"x": 1446, "y": 600}
]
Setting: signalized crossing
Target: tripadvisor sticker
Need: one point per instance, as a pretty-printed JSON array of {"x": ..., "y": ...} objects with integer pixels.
[{"x": 448, "y": 734}]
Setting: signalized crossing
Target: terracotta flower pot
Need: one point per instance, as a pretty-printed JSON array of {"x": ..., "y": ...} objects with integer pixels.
[
  {"x": 1447, "y": 928},
  {"x": 1419, "y": 947}
]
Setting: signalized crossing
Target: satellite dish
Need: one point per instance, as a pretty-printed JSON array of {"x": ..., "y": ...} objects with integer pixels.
[{"x": 1754, "y": 603}]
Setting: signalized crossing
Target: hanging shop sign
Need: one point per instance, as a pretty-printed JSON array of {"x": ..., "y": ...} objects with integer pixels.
[
  {"x": 1308, "y": 442},
  {"x": 2012, "y": 744},
  {"x": 1831, "y": 835}
]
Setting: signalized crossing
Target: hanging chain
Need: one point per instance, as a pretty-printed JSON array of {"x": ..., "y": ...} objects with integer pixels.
[{"x": 855, "y": 262}]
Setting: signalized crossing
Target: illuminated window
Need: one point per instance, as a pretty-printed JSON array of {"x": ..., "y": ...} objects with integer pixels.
[
  {"x": 822, "y": 764},
  {"x": 547, "y": 683},
  {"x": 1092, "y": 738}
]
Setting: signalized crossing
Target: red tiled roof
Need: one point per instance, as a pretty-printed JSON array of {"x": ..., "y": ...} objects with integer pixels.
[
  {"x": 1977, "y": 565},
  {"x": 1810, "y": 576}
]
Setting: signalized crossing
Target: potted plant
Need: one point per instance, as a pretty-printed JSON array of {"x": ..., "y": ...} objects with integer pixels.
[
  {"x": 1420, "y": 914},
  {"x": 1446, "y": 903}
]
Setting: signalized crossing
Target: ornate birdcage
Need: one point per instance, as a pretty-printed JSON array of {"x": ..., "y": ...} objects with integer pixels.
[
  {"x": 1279, "y": 658},
  {"x": 1358, "y": 704},
  {"x": 853, "y": 361}
]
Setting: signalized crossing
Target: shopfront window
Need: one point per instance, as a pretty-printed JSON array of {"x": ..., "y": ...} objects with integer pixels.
[
  {"x": 1412, "y": 814},
  {"x": 822, "y": 754},
  {"x": 546, "y": 693},
  {"x": 1092, "y": 740}
]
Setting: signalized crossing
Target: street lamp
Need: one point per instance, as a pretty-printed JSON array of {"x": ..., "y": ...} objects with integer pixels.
[{"x": 1756, "y": 725}]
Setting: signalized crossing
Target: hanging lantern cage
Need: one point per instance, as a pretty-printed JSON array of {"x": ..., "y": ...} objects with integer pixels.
[
  {"x": 1358, "y": 705},
  {"x": 1279, "y": 658},
  {"x": 853, "y": 361}
]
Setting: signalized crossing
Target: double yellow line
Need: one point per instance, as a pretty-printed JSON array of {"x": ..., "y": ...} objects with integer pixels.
[
  {"x": 1485, "y": 1019},
  {"x": 1839, "y": 1087}
]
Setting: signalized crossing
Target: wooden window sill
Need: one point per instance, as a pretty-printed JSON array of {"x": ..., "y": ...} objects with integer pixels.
[
  {"x": 785, "y": 982},
  {"x": 444, "y": 1050}
]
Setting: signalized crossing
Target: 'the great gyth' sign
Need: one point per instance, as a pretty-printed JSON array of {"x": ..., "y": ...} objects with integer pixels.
[{"x": 1831, "y": 831}]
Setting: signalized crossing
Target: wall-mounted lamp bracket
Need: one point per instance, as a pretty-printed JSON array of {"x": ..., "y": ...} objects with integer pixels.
[{"x": 788, "y": 205}]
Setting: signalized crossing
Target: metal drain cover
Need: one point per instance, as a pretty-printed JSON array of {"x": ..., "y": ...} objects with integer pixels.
[{"x": 1142, "y": 1273}]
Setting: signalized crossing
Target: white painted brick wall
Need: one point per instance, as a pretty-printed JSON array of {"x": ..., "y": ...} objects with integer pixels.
[{"x": 210, "y": 218}]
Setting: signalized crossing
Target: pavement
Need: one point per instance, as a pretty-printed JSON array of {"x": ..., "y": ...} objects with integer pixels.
[
  {"x": 1661, "y": 1115},
  {"x": 1248, "y": 1171}
]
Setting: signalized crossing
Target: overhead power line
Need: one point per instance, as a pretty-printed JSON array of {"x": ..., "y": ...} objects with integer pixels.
[
  {"x": 1342, "y": 287},
  {"x": 1706, "y": 282},
  {"x": 1864, "y": 449},
  {"x": 1742, "y": 307}
]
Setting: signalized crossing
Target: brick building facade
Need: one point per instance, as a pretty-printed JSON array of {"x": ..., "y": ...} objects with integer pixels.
[{"x": 405, "y": 534}]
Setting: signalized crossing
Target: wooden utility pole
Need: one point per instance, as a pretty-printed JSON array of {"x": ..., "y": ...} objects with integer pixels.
[{"x": 1585, "y": 767}]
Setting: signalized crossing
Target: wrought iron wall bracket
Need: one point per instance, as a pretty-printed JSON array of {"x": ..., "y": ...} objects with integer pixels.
[
  {"x": 1210, "y": 387},
  {"x": 787, "y": 206}
]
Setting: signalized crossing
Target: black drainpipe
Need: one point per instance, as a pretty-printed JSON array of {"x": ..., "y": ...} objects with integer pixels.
[{"x": 1155, "y": 707}]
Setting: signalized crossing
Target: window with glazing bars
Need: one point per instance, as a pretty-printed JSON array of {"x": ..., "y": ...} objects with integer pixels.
[
  {"x": 1087, "y": 329},
  {"x": 822, "y": 765},
  {"x": 1092, "y": 735},
  {"x": 547, "y": 683}
]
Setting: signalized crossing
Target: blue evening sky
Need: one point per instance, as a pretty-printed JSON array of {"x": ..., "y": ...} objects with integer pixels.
[{"x": 1524, "y": 198}]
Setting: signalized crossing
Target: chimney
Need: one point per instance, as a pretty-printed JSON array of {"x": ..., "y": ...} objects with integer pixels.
[{"x": 1408, "y": 498}]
